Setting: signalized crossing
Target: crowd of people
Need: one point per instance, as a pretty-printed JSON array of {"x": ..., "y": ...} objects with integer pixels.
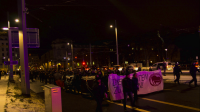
[{"x": 72, "y": 80}]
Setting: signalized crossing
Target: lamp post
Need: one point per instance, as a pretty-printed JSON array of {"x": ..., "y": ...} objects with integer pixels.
[
  {"x": 10, "y": 47},
  {"x": 166, "y": 54},
  {"x": 71, "y": 45},
  {"x": 116, "y": 41}
]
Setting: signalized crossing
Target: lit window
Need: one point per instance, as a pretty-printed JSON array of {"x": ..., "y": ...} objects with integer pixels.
[{"x": 151, "y": 48}]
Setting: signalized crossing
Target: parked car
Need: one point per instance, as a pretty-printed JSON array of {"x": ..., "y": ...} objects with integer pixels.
[{"x": 169, "y": 65}]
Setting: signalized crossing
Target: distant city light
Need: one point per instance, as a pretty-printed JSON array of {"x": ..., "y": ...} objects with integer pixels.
[
  {"x": 111, "y": 26},
  {"x": 165, "y": 49},
  {"x": 67, "y": 43},
  {"x": 128, "y": 45}
]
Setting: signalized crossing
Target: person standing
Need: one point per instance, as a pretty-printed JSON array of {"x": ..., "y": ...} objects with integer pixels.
[
  {"x": 99, "y": 90},
  {"x": 176, "y": 72},
  {"x": 193, "y": 71},
  {"x": 127, "y": 89},
  {"x": 135, "y": 87}
]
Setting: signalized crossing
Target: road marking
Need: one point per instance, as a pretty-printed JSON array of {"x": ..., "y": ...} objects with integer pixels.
[
  {"x": 128, "y": 106},
  {"x": 173, "y": 104},
  {"x": 73, "y": 90}
]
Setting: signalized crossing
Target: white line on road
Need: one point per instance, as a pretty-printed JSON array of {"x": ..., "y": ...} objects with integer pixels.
[
  {"x": 128, "y": 106},
  {"x": 173, "y": 104}
]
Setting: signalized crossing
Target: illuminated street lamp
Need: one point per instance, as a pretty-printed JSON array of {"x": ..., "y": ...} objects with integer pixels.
[
  {"x": 71, "y": 55},
  {"x": 10, "y": 47},
  {"x": 17, "y": 20},
  {"x": 116, "y": 42}
]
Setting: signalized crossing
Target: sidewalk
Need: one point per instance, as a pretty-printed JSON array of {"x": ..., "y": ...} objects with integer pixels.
[
  {"x": 12, "y": 99},
  {"x": 3, "y": 90}
]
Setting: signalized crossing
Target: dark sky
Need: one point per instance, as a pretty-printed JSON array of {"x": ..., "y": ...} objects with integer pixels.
[{"x": 89, "y": 20}]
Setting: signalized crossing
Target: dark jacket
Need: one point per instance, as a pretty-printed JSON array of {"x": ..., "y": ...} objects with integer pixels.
[
  {"x": 127, "y": 84},
  {"x": 99, "y": 90},
  {"x": 135, "y": 84},
  {"x": 177, "y": 70},
  {"x": 164, "y": 66},
  {"x": 193, "y": 70}
]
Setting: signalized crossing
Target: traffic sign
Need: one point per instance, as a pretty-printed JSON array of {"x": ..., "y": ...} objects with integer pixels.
[
  {"x": 6, "y": 62},
  {"x": 12, "y": 62}
]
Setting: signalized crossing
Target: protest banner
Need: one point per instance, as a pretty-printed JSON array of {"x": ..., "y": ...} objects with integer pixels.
[{"x": 149, "y": 81}]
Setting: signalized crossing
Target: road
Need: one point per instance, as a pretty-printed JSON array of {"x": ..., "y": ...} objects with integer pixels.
[{"x": 174, "y": 98}]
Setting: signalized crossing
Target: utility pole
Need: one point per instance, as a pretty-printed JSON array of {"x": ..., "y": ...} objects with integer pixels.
[
  {"x": 10, "y": 50},
  {"x": 25, "y": 84},
  {"x": 72, "y": 55},
  {"x": 116, "y": 43},
  {"x": 90, "y": 56},
  {"x": 66, "y": 61}
]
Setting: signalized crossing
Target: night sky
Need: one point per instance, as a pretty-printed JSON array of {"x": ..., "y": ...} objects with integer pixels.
[{"x": 89, "y": 20}]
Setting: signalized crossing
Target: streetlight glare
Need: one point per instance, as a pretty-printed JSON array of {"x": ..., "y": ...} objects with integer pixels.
[
  {"x": 17, "y": 20},
  {"x": 5, "y": 28},
  {"x": 111, "y": 26}
]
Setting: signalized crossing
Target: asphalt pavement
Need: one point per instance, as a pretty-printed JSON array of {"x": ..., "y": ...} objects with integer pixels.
[{"x": 174, "y": 98}]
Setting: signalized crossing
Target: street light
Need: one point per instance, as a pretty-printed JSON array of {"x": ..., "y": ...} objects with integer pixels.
[
  {"x": 166, "y": 54},
  {"x": 17, "y": 20},
  {"x": 71, "y": 55},
  {"x": 116, "y": 42},
  {"x": 10, "y": 47}
]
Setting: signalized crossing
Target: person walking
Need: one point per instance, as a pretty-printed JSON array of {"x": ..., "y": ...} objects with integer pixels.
[
  {"x": 99, "y": 90},
  {"x": 127, "y": 89},
  {"x": 193, "y": 71},
  {"x": 135, "y": 87},
  {"x": 177, "y": 72}
]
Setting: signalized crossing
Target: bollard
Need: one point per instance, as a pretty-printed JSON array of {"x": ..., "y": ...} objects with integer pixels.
[{"x": 53, "y": 101}]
